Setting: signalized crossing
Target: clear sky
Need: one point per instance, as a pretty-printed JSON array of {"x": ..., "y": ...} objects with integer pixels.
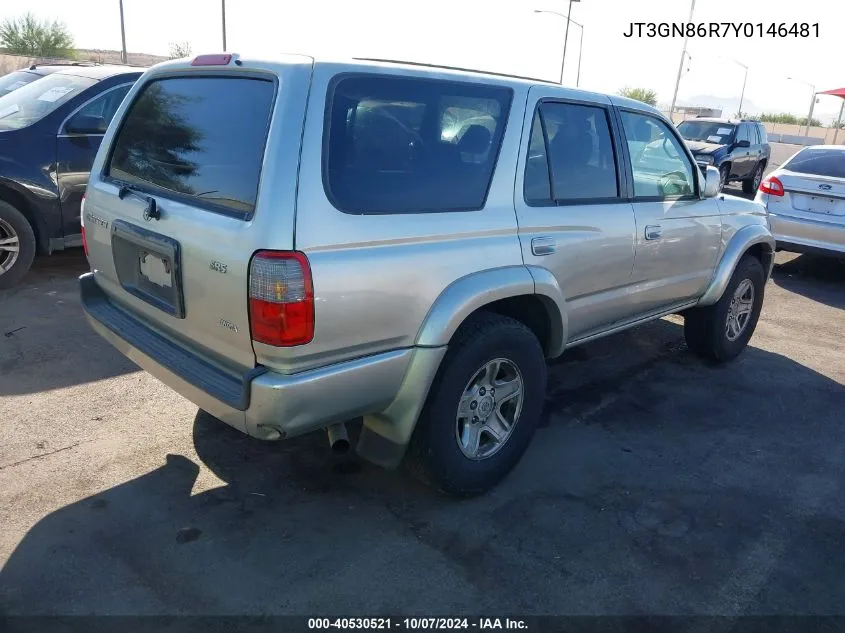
[{"x": 500, "y": 35}]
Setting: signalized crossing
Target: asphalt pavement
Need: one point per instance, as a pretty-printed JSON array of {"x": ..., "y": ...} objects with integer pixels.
[{"x": 658, "y": 484}]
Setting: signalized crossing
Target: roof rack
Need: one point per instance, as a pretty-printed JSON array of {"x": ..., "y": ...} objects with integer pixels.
[
  {"x": 458, "y": 68},
  {"x": 34, "y": 66}
]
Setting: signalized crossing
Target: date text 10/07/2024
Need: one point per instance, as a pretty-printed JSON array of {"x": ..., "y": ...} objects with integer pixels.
[
  {"x": 419, "y": 623},
  {"x": 721, "y": 29}
]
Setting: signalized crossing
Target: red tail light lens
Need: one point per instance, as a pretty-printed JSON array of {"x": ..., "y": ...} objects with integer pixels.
[
  {"x": 772, "y": 186},
  {"x": 211, "y": 60},
  {"x": 82, "y": 223},
  {"x": 281, "y": 299}
]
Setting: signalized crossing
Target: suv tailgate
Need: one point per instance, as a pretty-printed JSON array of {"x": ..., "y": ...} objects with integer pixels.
[{"x": 174, "y": 210}]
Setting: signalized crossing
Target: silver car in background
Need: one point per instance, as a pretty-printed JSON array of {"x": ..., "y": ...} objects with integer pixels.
[{"x": 805, "y": 199}]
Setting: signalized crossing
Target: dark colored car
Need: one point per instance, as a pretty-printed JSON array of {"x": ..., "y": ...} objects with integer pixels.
[
  {"x": 50, "y": 130},
  {"x": 19, "y": 78},
  {"x": 740, "y": 150}
]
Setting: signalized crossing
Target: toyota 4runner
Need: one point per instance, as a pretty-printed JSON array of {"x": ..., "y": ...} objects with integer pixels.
[{"x": 296, "y": 243}]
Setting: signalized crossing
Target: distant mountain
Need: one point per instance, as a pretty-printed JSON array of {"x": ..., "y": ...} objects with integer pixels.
[{"x": 728, "y": 105}]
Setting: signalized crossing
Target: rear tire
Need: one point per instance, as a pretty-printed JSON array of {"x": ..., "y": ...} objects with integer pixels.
[
  {"x": 708, "y": 330},
  {"x": 17, "y": 245},
  {"x": 752, "y": 184},
  {"x": 489, "y": 350}
]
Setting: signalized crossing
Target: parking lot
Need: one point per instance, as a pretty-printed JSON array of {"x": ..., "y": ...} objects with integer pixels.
[{"x": 658, "y": 484}]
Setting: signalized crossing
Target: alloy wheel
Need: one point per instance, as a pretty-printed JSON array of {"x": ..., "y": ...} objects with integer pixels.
[
  {"x": 739, "y": 312},
  {"x": 489, "y": 409},
  {"x": 10, "y": 246}
]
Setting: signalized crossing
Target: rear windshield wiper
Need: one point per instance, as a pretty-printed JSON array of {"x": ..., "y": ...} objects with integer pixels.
[{"x": 151, "y": 212}]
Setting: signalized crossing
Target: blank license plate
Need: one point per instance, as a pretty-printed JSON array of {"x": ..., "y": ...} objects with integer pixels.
[
  {"x": 148, "y": 266},
  {"x": 816, "y": 204}
]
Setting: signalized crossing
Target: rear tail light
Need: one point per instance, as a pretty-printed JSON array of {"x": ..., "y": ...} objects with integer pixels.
[
  {"x": 281, "y": 299},
  {"x": 82, "y": 223},
  {"x": 772, "y": 186}
]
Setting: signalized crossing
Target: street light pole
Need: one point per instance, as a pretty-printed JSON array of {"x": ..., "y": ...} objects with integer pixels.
[
  {"x": 580, "y": 51},
  {"x": 744, "y": 79},
  {"x": 681, "y": 64},
  {"x": 742, "y": 94},
  {"x": 810, "y": 115},
  {"x": 838, "y": 121},
  {"x": 122, "y": 35},
  {"x": 812, "y": 104},
  {"x": 581, "y": 46},
  {"x": 566, "y": 38},
  {"x": 223, "y": 7}
]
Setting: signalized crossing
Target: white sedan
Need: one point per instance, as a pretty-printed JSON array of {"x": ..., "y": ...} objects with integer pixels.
[{"x": 805, "y": 199}]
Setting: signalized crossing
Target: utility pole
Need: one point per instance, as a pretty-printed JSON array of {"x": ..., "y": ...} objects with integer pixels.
[
  {"x": 122, "y": 35},
  {"x": 223, "y": 6},
  {"x": 681, "y": 64}
]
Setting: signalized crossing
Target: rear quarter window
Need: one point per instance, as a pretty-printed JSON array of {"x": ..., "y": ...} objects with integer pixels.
[
  {"x": 200, "y": 139},
  {"x": 411, "y": 145}
]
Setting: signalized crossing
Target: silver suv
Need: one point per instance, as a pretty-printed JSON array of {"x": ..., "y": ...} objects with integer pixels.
[{"x": 292, "y": 244}]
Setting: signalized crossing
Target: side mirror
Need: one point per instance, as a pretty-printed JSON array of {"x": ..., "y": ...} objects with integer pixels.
[
  {"x": 711, "y": 182},
  {"x": 84, "y": 124},
  {"x": 742, "y": 143}
]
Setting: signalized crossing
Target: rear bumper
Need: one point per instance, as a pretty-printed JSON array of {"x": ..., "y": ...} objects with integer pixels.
[
  {"x": 810, "y": 236},
  {"x": 261, "y": 403}
]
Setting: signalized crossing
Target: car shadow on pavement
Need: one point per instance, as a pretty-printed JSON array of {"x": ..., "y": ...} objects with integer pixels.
[
  {"x": 821, "y": 279},
  {"x": 45, "y": 340},
  {"x": 674, "y": 487}
]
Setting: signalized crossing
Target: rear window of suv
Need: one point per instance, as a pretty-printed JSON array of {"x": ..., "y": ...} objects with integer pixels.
[
  {"x": 410, "y": 145},
  {"x": 199, "y": 139}
]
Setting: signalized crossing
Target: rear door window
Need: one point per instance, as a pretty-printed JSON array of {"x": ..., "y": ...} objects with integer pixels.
[
  {"x": 409, "y": 145},
  {"x": 570, "y": 156},
  {"x": 200, "y": 139},
  {"x": 101, "y": 110}
]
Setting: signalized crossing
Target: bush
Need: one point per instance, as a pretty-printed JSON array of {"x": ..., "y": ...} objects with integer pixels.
[{"x": 640, "y": 94}]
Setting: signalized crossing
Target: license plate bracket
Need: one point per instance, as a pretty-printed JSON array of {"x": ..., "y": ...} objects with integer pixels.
[{"x": 149, "y": 266}]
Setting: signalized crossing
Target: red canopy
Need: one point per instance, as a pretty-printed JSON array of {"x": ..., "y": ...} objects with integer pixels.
[{"x": 836, "y": 92}]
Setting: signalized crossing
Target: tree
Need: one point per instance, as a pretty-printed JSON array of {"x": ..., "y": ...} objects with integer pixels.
[
  {"x": 179, "y": 50},
  {"x": 786, "y": 117},
  {"x": 29, "y": 36},
  {"x": 640, "y": 94}
]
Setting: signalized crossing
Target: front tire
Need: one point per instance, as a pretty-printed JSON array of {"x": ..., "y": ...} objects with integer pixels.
[
  {"x": 724, "y": 176},
  {"x": 721, "y": 331},
  {"x": 17, "y": 245},
  {"x": 483, "y": 406}
]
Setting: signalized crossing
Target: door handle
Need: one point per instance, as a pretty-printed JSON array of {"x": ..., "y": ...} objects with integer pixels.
[
  {"x": 543, "y": 246},
  {"x": 653, "y": 232}
]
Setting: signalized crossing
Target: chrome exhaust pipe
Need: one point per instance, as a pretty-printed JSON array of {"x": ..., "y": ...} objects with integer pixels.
[{"x": 338, "y": 438}]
